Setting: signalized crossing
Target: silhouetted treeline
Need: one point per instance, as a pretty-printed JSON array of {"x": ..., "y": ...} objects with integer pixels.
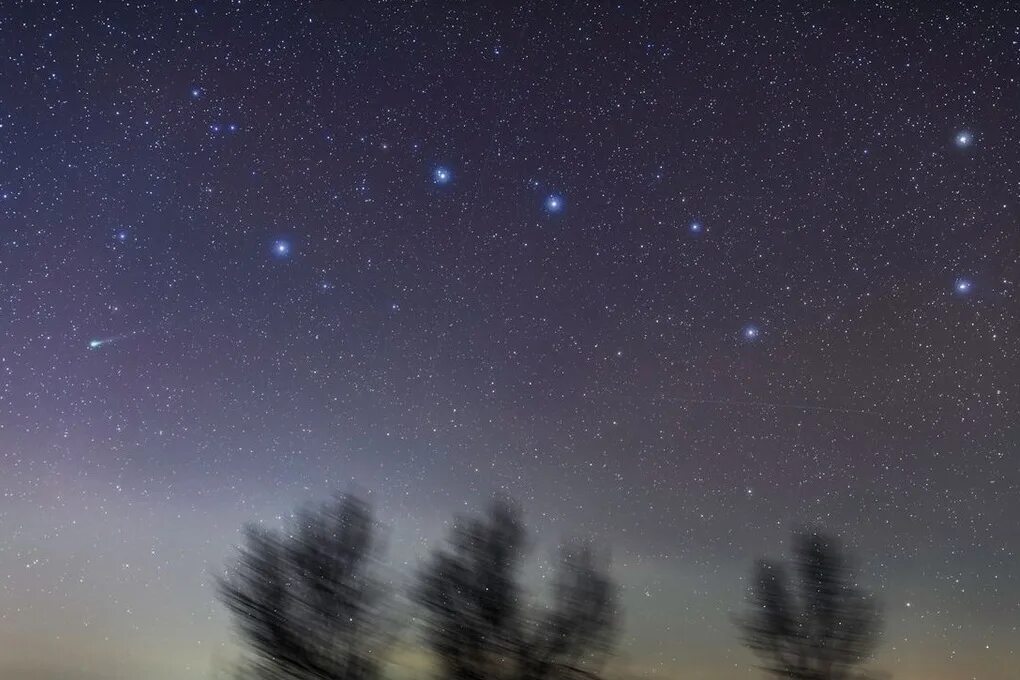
[
  {"x": 306, "y": 600},
  {"x": 308, "y": 604},
  {"x": 475, "y": 615},
  {"x": 815, "y": 624}
]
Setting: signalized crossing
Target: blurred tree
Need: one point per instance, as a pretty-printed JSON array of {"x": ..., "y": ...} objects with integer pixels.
[
  {"x": 305, "y": 601},
  {"x": 820, "y": 629},
  {"x": 475, "y": 618},
  {"x": 575, "y": 635}
]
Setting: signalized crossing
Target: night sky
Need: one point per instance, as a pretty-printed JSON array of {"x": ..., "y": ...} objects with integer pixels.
[{"x": 680, "y": 278}]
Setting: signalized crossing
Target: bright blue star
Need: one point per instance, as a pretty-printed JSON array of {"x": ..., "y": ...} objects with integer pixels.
[
  {"x": 196, "y": 92},
  {"x": 441, "y": 175},
  {"x": 750, "y": 332},
  {"x": 964, "y": 139},
  {"x": 553, "y": 203},
  {"x": 281, "y": 248},
  {"x": 121, "y": 236},
  {"x": 963, "y": 286},
  {"x": 695, "y": 228}
]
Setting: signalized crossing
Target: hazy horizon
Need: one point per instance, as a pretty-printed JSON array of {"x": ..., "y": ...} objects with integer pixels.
[{"x": 679, "y": 279}]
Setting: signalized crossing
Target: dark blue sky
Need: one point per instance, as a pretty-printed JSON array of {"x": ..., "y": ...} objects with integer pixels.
[{"x": 678, "y": 277}]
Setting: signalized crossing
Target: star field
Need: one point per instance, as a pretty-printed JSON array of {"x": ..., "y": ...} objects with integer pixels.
[{"x": 681, "y": 278}]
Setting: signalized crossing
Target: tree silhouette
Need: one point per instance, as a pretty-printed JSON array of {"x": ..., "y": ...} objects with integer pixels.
[
  {"x": 304, "y": 600},
  {"x": 573, "y": 637},
  {"x": 471, "y": 597},
  {"x": 820, "y": 629},
  {"x": 475, "y": 618}
]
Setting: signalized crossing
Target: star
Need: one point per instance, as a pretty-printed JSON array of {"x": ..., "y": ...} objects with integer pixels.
[
  {"x": 962, "y": 286},
  {"x": 750, "y": 332},
  {"x": 281, "y": 248},
  {"x": 553, "y": 203},
  {"x": 121, "y": 235},
  {"x": 695, "y": 228},
  {"x": 441, "y": 175},
  {"x": 963, "y": 139}
]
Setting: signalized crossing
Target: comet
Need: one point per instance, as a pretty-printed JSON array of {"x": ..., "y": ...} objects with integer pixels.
[{"x": 98, "y": 343}]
